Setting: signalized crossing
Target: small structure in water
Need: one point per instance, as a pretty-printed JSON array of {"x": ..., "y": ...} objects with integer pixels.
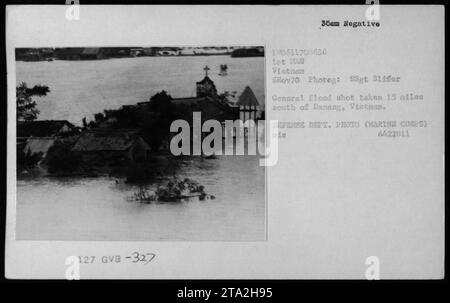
[{"x": 223, "y": 70}]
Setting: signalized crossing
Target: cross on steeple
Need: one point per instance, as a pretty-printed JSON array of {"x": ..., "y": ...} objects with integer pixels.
[
  {"x": 206, "y": 87},
  {"x": 206, "y": 69}
]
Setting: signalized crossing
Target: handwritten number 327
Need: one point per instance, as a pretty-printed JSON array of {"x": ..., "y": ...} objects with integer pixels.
[{"x": 142, "y": 258}]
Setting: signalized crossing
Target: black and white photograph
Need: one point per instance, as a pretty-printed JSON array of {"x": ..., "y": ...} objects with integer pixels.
[
  {"x": 93, "y": 144},
  {"x": 225, "y": 142}
]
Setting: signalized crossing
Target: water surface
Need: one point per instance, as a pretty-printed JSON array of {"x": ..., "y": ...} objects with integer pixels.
[{"x": 97, "y": 208}]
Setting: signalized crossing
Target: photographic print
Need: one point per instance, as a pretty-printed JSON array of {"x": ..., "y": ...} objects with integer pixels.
[
  {"x": 94, "y": 159},
  {"x": 225, "y": 142}
]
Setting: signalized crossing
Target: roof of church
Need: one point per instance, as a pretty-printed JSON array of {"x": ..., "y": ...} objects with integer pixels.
[
  {"x": 188, "y": 100},
  {"x": 206, "y": 79},
  {"x": 196, "y": 100},
  {"x": 247, "y": 98},
  {"x": 184, "y": 100}
]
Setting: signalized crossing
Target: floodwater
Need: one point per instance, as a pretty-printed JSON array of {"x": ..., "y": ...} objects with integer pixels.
[
  {"x": 83, "y": 88},
  {"x": 98, "y": 208}
]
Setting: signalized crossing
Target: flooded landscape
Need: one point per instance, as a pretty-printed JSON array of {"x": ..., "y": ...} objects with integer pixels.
[
  {"x": 98, "y": 208},
  {"x": 82, "y": 88}
]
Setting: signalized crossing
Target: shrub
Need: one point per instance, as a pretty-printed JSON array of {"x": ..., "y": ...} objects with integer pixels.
[{"x": 61, "y": 158}]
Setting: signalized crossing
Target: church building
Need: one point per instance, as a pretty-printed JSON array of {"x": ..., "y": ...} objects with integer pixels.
[{"x": 207, "y": 102}]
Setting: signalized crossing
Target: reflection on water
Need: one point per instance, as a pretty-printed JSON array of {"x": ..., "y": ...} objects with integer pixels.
[{"x": 97, "y": 208}]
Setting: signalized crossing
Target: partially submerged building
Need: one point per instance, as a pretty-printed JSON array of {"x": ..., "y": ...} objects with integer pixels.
[
  {"x": 109, "y": 146},
  {"x": 36, "y": 137},
  {"x": 209, "y": 107},
  {"x": 38, "y": 146}
]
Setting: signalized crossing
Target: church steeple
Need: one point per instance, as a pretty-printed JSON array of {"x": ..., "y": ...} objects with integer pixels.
[
  {"x": 206, "y": 69},
  {"x": 206, "y": 87}
]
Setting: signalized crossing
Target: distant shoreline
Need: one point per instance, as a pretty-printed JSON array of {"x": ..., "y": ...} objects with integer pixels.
[
  {"x": 130, "y": 57},
  {"x": 101, "y": 53}
]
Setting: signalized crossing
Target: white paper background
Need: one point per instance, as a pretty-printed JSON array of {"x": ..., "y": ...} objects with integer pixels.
[{"x": 334, "y": 198}]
